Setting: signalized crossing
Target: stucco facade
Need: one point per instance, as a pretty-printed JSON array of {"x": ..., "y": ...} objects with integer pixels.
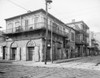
[
  {"x": 21, "y": 50},
  {"x": 26, "y": 37}
]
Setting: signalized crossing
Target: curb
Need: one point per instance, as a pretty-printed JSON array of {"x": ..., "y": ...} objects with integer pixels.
[{"x": 67, "y": 60}]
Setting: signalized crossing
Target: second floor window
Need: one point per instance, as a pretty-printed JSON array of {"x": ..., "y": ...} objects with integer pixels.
[
  {"x": 36, "y": 19},
  {"x": 55, "y": 26},
  {"x": 17, "y": 24},
  {"x": 9, "y": 27},
  {"x": 26, "y": 22}
]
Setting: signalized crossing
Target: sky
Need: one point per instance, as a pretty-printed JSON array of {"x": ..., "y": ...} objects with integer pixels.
[{"x": 65, "y": 10}]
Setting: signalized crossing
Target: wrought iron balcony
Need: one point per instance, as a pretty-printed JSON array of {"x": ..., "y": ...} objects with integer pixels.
[{"x": 33, "y": 27}]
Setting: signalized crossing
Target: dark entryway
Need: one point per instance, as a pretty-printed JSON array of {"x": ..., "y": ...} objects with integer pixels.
[
  {"x": 30, "y": 53},
  {"x": 13, "y": 53},
  {"x": 20, "y": 54},
  {"x": 48, "y": 53},
  {"x": 4, "y": 52}
]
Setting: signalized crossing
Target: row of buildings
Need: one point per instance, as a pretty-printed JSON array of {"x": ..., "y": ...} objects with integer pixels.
[{"x": 24, "y": 38}]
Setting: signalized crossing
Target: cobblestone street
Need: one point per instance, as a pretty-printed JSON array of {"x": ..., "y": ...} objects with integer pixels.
[
  {"x": 76, "y": 69},
  {"x": 49, "y": 39},
  {"x": 13, "y": 71}
]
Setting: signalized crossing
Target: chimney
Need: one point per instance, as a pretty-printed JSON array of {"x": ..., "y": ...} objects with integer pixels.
[
  {"x": 28, "y": 11},
  {"x": 73, "y": 20}
]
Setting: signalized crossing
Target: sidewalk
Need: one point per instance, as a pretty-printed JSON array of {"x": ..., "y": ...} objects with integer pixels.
[
  {"x": 79, "y": 63},
  {"x": 88, "y": 63},
  {"x": 48, "y": 62},
  {"x": 54, "y": 62}
]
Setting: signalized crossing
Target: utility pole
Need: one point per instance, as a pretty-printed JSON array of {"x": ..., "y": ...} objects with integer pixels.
[
  {"x": 51, "y": 45},
  {"x": 46, "y": 38}
]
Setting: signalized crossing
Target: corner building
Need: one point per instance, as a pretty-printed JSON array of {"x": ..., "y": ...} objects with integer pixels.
[{"x": 25, "y": 37}]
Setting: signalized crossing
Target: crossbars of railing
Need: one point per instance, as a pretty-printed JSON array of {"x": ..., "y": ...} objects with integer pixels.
[
  {"x": 25, "y": 28},
  {"x": 34, "y": 27}
]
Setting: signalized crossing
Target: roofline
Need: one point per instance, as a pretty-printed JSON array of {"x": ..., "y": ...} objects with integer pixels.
[
  {"x": 36, "y": 11},
  {"x": 58, "y": 20},
  {"x": 74, "y": 22},
  {"x": 39, "y": 10}
]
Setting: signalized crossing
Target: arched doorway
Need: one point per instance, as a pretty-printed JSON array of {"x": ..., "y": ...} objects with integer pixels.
[
  {"x": 13, "y": 51},
  {"x": 30, "y": 50}
]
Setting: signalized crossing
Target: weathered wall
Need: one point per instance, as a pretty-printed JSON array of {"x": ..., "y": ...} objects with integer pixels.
[{"x": 22, "y": 49}]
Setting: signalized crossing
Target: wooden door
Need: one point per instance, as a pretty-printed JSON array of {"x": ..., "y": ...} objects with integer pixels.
[
  {"x": 13, "y": 53},
  {"x": 30, "y": 53}
]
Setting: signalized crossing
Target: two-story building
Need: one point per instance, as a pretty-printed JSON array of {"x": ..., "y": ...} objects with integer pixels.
[
  {"x": 25, "y": 37},
  {"x": 81, "y": 37}
]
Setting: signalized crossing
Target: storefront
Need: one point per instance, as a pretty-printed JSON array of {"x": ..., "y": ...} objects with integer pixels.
[{"x": 26, "y": 50}]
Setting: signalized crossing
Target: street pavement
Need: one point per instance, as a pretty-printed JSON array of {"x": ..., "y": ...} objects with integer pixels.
[{"x": 85, "y": 67}]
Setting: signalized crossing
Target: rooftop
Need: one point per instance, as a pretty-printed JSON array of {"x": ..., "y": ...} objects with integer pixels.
[{"x": 77, "y": 23}]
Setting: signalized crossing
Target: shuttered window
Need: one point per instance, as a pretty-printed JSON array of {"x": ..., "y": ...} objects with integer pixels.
[{"x": 26, "y": 24}]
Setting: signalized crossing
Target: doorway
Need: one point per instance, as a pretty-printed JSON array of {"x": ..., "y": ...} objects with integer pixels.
[
  {"x": 4, "y": 52},
  {"x": 30, "y": 53},
  {"x": 48, "y": 53},
  {"x": 13, "y": 53}
]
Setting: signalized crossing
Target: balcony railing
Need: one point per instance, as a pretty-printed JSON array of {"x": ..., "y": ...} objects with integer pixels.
[
  {"x": 78, "y": 41},
  {"x": 33, "y": 27},
  {"x": 84, "y": 32},
  {"x": 24, "y": 28}
]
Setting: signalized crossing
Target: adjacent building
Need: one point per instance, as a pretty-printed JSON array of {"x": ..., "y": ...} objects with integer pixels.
[{"x": 81, "y": 37}]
